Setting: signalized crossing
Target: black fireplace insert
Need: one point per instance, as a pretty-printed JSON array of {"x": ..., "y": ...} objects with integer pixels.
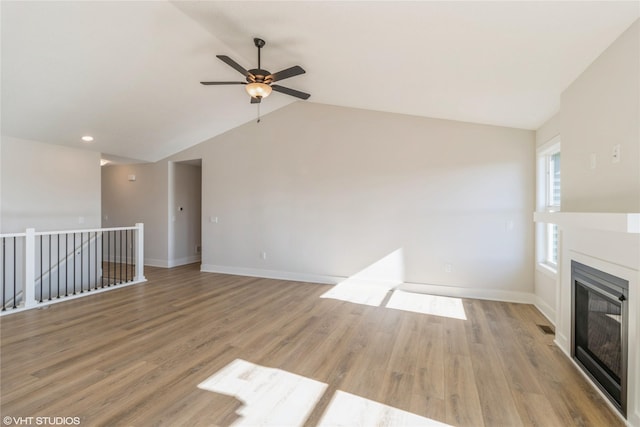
[{"x": 600, "y": 329}]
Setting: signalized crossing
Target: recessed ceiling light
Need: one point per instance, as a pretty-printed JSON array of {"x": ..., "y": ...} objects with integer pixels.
[{"x": 87, "y": 138}]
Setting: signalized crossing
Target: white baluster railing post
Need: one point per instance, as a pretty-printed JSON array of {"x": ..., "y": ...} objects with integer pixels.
[
  {"x": 139, "y": 252},
  {"x": 30, "y": 268}
]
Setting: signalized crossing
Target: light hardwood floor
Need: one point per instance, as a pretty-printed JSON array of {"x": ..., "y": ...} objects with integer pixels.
[{"x": 135, "y": 356}]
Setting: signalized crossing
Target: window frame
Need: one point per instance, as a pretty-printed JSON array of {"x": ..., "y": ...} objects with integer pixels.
[{"x": 546, "y": 234}]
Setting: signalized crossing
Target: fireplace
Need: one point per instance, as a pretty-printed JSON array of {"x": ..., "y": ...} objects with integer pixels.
[{"x": 599, "y": 329}]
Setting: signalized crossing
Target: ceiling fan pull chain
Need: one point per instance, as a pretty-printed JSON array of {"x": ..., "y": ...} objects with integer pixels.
[{"x": 258, "y": 114}]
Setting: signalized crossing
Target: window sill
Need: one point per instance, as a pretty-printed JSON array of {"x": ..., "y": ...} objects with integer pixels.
[
  {"x": 547, "y": 270},
  {"x": 603, "y": 221}
]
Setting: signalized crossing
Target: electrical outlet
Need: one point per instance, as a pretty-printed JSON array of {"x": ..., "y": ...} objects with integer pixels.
[
  {"x": 615, "y": 154},
  {"x": 448, "y": 268},
  {"x": 263, "y": 255}
]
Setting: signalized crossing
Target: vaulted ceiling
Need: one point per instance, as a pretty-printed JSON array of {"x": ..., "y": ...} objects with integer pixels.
[{"x": 128, "y": 73}]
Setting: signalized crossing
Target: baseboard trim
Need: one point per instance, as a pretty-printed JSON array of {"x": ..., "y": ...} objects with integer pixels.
[
  {"x": 151, "y": 262},
  {"x": 184, "y": 261},
  {"x": 272, "y": 274},
  {"x": 450, "y": 291},
  {"x": 163, "y": 263},
  {"x": 460, "y": 292},
  {"x": 546, "y": 310},
  {"x": 563, "y": 343}
]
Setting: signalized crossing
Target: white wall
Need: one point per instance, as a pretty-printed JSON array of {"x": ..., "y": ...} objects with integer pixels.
[
  {"x": 186, "y": 222},
  {"x": 600, "y": 109},
  {"x": 48, "y": 187},
  {"x": 145, "y": 200},
  {"x": 326, "y": 191},
  {"x": 549, "y": 130}
]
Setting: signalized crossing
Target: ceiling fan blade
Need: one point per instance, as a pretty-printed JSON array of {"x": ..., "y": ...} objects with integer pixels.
[
  {"x": 291, "y": 92},
  {"x": 233, "y": 64},
  {"x": 223, "y": 83},
  {"x": 289, "y": 72},
  {"x": 255, "y": 100}
]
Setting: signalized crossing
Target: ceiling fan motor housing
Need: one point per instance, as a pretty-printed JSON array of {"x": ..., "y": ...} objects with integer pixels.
[{"x": 257, "y": 75}]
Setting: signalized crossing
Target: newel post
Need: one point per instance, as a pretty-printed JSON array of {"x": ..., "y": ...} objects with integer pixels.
[
  {"x": 139, "y": 252},
  {"x": 30, "y": 268}
]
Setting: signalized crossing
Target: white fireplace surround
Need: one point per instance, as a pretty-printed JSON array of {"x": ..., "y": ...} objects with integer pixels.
[{"x": 609, "y": 242}]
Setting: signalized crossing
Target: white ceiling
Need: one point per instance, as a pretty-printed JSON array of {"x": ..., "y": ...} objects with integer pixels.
[{"x": 128, "y": 73}]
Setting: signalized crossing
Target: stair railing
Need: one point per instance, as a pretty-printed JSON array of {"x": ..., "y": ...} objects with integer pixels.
[{"x": 41, "y": 268}]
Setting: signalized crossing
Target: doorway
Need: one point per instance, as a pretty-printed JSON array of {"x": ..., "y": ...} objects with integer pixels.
[{"x": 185, "y": 217}]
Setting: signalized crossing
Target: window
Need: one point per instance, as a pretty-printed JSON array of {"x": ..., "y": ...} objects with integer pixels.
[
  {"x": 549, "y": 200},
  {"x": 552, "y": 162}
]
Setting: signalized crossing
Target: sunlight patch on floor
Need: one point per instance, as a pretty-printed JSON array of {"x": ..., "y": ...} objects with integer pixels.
[
  {"x": 427, "y": 304},
  {"x": 347, "y": 410},
  {"x": 271, "y": 397},
  {"x": 360, "y": 291}
]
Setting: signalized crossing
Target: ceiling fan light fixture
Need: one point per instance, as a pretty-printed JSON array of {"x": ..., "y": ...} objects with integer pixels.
[{"x": 258, "y": 90}]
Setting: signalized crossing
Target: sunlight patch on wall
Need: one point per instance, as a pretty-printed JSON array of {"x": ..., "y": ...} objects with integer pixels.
[
  {"x": 271, "y": 397},
  {"x": 347, "y": 410},
  {"x": 370, "y": 285},
  {"x": 427, "y": 304}
]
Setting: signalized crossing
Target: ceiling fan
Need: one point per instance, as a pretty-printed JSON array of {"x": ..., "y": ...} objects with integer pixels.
[{"x": 259, "y": 82}]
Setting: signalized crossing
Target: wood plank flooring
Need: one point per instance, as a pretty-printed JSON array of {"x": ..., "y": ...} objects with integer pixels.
[{"x": 135, "y": 356}]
